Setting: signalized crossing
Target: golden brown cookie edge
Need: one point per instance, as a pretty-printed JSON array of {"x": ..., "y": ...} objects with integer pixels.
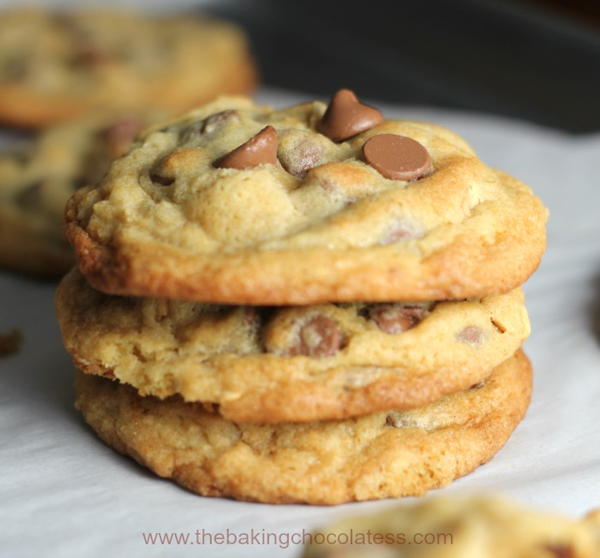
[{"x": 462, "y": 269}]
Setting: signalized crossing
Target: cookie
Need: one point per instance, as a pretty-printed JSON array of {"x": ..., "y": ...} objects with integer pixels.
[
  {"x": 475, "y": 527},
  {"x": 58, "y": 66},
  {"x": 241, "y": 204},
  {"x": 381, "y": 455},
  {"x": 36, "y": 179},
  {"x": 290, "y": 364}
]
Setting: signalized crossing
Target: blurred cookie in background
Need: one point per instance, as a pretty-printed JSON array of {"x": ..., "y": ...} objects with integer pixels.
[
  {"x": 39, "y": 175},
  {"x": 474, "y": 527},
  {"x": 57, "y": 66}
]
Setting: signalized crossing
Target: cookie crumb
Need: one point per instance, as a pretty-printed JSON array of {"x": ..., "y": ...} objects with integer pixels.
[
  {"x": 498, "y": 325},
  {"x": 10, "y": 342}
]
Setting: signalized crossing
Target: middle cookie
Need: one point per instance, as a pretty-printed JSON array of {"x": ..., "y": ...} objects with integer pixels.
[{"x": 290, "y": 364}]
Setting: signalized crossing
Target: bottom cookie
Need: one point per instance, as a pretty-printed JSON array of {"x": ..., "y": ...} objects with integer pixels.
[{"x": 381, "y": 455}]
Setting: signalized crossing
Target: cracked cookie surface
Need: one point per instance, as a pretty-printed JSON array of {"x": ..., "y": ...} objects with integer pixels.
[
  {"x": 57, "y": 66},
  {"x": 381, "y": 455},
  {"x": 317, "y": 225},
  {"x": 291, "y": 363}
]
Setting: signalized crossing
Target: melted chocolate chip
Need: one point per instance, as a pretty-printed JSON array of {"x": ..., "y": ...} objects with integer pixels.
[
  {"x": 472, "y": 335},
  {"x": 397, "y": 157},
  {"x": 318, "y": 337},
  {"x": 160, "y": 179},
  {"x": 396, "y": 318},
  {"x": 214, "y": 121},
  {"x": 258, "y": 150},
  {"x": 346, "y": 116}
]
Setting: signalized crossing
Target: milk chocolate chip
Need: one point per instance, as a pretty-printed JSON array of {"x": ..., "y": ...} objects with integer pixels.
[
  {"x": 397, "y": 157},
  {"x": 346, "y": 116},
  {"x": 258, "y": 150},
  {"x": 396, "y": 318},
  {"x": 318, "y": 337}
]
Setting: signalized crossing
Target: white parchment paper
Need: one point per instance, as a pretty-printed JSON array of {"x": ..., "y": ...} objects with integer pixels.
[{"x": 63, "y": 493}]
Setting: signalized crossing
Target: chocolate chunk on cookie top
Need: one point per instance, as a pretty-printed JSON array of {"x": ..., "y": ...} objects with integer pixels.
[
  {"x": 346, "y": 116},
  {"x": 258, "y": 150},
  {"x": 397, "y": 157}
]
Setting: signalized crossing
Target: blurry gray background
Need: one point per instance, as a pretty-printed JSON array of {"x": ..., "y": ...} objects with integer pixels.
[{"x": 537, "y": 60}]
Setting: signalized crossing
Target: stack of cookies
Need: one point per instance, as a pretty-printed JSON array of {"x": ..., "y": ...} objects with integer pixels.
[{"x": 313, "y": 305}]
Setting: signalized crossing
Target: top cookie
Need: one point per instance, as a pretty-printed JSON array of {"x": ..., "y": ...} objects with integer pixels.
[
  {"x": 57, "y": 66},
  {"x": 236, "y": 203}
]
